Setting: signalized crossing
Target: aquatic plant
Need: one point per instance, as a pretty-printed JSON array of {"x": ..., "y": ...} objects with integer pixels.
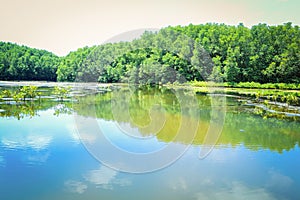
[{"x": 61, "y": 92}]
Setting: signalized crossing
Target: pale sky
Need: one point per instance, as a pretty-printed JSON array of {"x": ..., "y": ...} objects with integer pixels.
[{"x": 61, "y": 26}]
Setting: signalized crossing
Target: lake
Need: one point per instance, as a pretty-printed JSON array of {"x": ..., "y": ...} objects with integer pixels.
[{"x": 118, "y": 142}]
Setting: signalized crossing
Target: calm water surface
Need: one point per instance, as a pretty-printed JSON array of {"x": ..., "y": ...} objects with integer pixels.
[{"x": 42, "y": 156}]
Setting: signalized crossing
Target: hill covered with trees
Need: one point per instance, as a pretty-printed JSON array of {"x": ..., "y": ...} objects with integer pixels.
[
  {"x": 218, "y": 52},
  {"x": 24, "y": 63}
]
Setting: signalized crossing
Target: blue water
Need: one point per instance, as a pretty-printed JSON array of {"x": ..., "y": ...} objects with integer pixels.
[{"x": 42, "y": 157}]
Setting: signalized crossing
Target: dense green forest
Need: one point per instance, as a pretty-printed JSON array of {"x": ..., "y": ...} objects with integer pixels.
[
  {"x": 217, "y": 52},
  {"x": 24, "y": 63}
]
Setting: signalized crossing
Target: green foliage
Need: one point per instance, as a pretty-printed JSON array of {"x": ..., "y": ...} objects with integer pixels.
[
  {"x": 251, "y": 85},
  {"x": 61, "y": 92},
  {"x": 291, "y": 99},
  {"x": 30, "y": 107},
  {"x": 215, "y": 52},
  {"x": 24, "y": 63},
  {"x": 278, "y": 135},
  {"x": 211, "y": 52},
  {"x": 68, "y": 67},
  {"x": 6, "y": 93},
  {"x": 21, "y": 93},
  {"x": 29, "y": 91}
]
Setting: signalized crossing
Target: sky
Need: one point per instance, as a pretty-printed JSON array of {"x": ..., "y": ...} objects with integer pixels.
[{"x": 61, "y": 26}]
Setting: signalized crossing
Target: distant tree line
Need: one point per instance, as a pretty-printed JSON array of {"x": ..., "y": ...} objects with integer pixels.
[
  {"x": 217, "y": 52},
  {"x": 24, "y": 63}
]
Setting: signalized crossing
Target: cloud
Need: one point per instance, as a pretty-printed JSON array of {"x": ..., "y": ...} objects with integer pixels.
[
  {"x": 105, "y": 178},
  {"x": 36, "y": 142},
  {"x": 38, "y": 157},
  {"x": 101, "y": 177},
  {"x": 75, "y": 186},
  {"x": 236, "y": 191},
  {"x": 279, "y": 182},
  {"x": 179, "y": 184},
  {"x": 86, "y": 136}
]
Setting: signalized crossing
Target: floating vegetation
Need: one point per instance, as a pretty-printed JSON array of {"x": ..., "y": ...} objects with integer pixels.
[
  {"x": 26, "y": 101},
  {"x": 62, "y": 93},
  {"x": 23, "y": 93},
  {"x": 251, "y": 85},
  {"x": 278, "y": 104},
  {"x": 281, "y": 104}
]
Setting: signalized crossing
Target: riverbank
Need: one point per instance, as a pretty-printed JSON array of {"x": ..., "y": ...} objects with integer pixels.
[
  {"x": 278, "y": 103},
  {"x": 248, "y": 85}
]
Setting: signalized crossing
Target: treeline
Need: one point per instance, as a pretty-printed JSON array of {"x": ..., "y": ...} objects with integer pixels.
[
  {"x": 260, "y": 54},
  {"x": 24, "y": 63},
  {"x": 216, "y": 52}
]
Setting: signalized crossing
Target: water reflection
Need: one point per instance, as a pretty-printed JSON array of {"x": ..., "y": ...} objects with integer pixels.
[
  {"x": 32, "y": 137},
  {"x": 75, "y": 186},
  {"x": 20, "y": 141},
  {"x": 2, "y": 161},
  {"x": 155, "y": 115},
  {"x": 31, "y": 109},
  {"x": 105, "y": 178},
  {"x": 240, "y": 128},
  {"x": 236, "y": 190},
  {"x": 42, "y": 157},
  {"x": 19, "y": 111},
  {"x": 37, "y": 157}
]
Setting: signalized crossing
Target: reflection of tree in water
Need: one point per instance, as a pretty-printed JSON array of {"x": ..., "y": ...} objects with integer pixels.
[
  {"x": 62, "y": 109},
  {"x": 20, "y": 110},
  {"x": 240, "y": 128},
  {"x": 31, "y": 109},
  {"x": 146, "y": 104},
  {"x": 23, "y": 102}
]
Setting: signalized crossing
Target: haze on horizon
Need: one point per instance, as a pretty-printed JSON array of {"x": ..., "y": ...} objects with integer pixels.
[{"x": 61, "y": 26}]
